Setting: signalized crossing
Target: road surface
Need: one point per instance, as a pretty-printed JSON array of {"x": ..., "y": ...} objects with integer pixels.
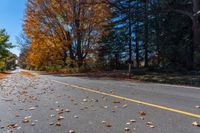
[{"x": 58, "y": 104}]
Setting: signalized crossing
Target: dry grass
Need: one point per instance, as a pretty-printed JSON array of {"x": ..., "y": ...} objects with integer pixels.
[{"x": 29, "y": 74}]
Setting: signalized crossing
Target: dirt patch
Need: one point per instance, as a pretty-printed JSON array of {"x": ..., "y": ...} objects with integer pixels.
[{"x": 29, "y": 74}]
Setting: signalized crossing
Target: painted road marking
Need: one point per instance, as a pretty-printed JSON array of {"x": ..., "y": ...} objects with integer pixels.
[{"x": 131, "y": 100}]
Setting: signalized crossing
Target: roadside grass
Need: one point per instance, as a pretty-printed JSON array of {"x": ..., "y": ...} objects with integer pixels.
[
  {"x": 29, "y": 74},
  {"x": 165, "y": 78},
  {"x": 139, "y": 76},
  {"x": 177, "y": 79}
]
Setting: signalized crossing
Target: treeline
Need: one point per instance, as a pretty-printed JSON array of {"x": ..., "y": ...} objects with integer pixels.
[{"x": 110, "y": 34}]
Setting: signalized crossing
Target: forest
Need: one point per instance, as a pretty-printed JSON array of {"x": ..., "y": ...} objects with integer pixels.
[{"x": 89, "y": 35}]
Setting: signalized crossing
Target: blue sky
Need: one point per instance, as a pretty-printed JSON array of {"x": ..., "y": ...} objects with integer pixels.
[{"x": 11, "y": 18}]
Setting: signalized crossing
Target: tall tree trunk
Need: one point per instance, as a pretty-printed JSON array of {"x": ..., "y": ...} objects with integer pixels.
[
  {"x": 137, "y": 46},
  {"x": 195, "y": 17},
  {"x": 79, "y": 38},
  {"x": 196, "y": 22},
  {"x": 116, "y": 61},
  {"x": 157, "y": 23},
  {"x": 130, "y": 40},
  {"x": 79, "y": 51},
  {"x": 190, "y": 57},
  {"x": 137, "y": 54},
  {"x": 146, "y": 30},
  {"x": 196, "y": 32}
]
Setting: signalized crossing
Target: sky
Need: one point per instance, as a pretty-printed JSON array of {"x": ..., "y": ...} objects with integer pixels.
[{"x": 11, "y": 19}]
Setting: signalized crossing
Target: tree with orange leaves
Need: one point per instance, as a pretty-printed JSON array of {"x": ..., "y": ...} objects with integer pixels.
[{"x": 61, "y": 29}]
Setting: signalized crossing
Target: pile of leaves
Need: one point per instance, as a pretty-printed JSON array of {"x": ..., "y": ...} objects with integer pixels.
[{"x": 3, "y": 75}]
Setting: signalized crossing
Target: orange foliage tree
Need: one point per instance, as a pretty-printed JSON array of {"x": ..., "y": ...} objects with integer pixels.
[{"x": 64, "y": 29}]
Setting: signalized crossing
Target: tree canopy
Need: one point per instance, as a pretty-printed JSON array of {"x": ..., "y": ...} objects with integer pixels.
[
  {"x": 4, "y": 48},
  {"x": 64, "y": 30},
  {"x": 4, "y": 44}
]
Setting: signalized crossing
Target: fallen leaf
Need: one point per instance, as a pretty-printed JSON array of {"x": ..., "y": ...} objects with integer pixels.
[
  {"x": 61, "y": 112},
  {"x": 26, "y": 119},
  {"x": 51, "y": 123},
  {"x": 195, "y": 123},
  {"x": 33, "y": 124},
  {"x": 52, "y": 115},
  {"x": 115, "y": 101},
  {"x": 126, "y": 129},
  {"x": 67, "y": 110},
  {"x": 71, "y": 131},
  {"x": 197, "y": 106},
  {"x": 132, "y": 120},
  {"x": 60, "y": 118},
  {"x": 104, "y": 122},
  {"x": 75, "y": 116},
  {"x": 125, "y": 105},
  {"x": 10, "y": 126},
  {"x": 58, "y": 124},
  {"x": 105, "y": 107},
  {"x": 32, "y": 108},
  {"x": 142, "y": 113},
  {"x": 150, "y": 124},
  {"x": 108, "y": 125},
  {"x": 84, "y": 100}
]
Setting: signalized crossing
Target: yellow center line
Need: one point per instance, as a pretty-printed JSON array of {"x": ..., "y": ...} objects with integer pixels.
[{"x": 131, "y": 100}]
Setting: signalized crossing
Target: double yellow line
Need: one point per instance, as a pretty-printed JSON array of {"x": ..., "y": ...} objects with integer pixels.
[{"x": 131, "y": 100}]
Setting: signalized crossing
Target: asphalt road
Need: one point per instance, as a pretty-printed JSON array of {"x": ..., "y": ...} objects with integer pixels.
[{"x": 58, "y": 104}]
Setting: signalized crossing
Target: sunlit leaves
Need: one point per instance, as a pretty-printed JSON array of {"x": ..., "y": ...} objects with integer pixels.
[{"x": 64, "y": 29}]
